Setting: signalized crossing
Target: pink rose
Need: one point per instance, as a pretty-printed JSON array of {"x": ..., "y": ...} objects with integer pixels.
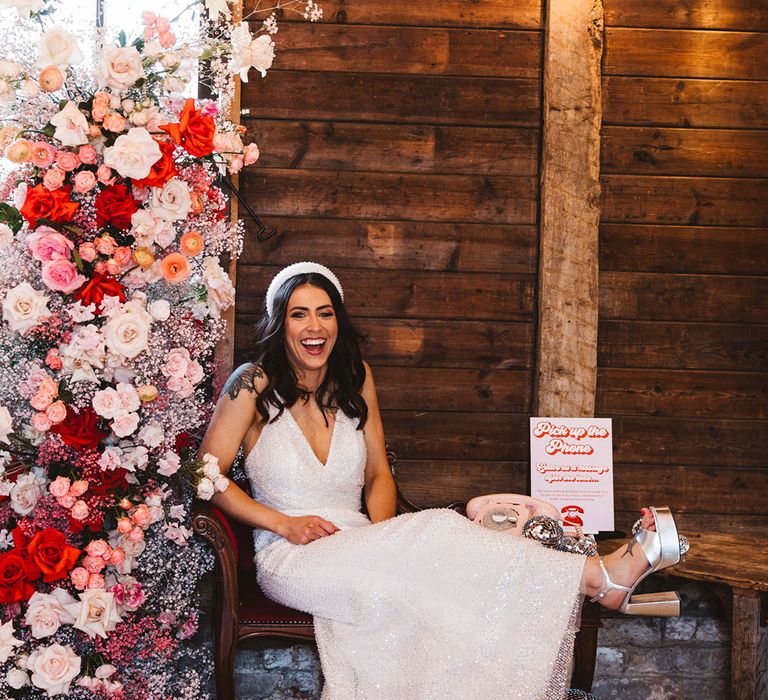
[
  {"x": 78, "y": 487},
  {"x": 43, "y": 154},
  {"x": 95, "y": 581},
  {"x": 250, "y": 154},
  {"x": 87, "y": 154},
  {"x": 62, "y": 276},
  {"x": 85, "y": 181},
  {"x": 79, "y": 578},
  {"x": 106, "y": 403},
  {"x": 99, "y": 111},
  {"x": 112, "y": 267},
  {"x": 87, "y": 252},
  {"x": 117, "y": 557},
  {"x": 122, "y": 255},
  {"x": 53, "y": 360},
  {"x": 59, "y": 486},
  {"x": 98, "y": 548},
  {"x": 142, "y": 516},
  {"x": 104, "y": 173},
  {"x": 67, "y": 500},
  {"x": 114, "y": 122},
  {"x": 48, "y": 244},
  {"x": 67, "y": 160},
  {"x": 93, "y": 564},
  {"x": 41, "y": 422},
  {"x": 80, "y": 510},
  {"x": 125, "y": 424},
  {"x": 128, "y": 396},
  {"x": 40, "y": 401},
  {"x": 56, "y": 412},
  {"x": 136, "y": 534},
  {"x": 124, "y": 526},
  {"x": 53, "y": 178},
  {"x": 105, "y": 244},
  {"x": 176, "y": 363}
]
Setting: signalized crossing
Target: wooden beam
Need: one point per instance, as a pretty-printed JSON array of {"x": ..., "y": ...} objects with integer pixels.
[
  {"x": 224, "y": 354},
  {"x": 570, "y": 210}
]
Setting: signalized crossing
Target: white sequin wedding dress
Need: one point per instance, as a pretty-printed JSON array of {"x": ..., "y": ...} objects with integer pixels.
[{"x": 423, "y": 606}]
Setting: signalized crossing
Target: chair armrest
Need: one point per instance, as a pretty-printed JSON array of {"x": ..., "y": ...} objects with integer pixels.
[{"x": 206, "y": 524}]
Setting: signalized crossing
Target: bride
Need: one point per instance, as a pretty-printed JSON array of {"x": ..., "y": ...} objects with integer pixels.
[{"x": 420, "y": 606}]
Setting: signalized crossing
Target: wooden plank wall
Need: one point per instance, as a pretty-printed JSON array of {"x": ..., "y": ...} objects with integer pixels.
[
  {"x": 683, "y": 334},
  {"x": 400, "y": 148}
]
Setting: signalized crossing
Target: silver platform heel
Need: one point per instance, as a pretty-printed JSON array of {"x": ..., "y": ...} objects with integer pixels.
[{"x": 661, "y": 549}]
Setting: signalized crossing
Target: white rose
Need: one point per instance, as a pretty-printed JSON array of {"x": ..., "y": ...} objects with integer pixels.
[
  {"x": 46, "y": 612},
  {"x": 24, "y": 7},
  {"x": 29, "y": 89},
  {"x": 127, "y": 333},
  {"x": 168, "y": 465},
  {"x": 221, "y": 483},
  {"x": 221, "y": 293},
  {"x": 71, "y": 125},
  {"x": 120, "y": 68},
  {"x": 6, "y": 236},
  {"x": 54, "y": 668},
  {"x": 205, "y": 489},
  {"x": 160, "y": 310},
  {"x": 96, "y": 614},
  {"x": 7, "y": 641},
  {"x": 125, "y": 424},
  {"x": 59, "y": 48},
  {"x": 24, "y": 307},
  {"x": 6, "y": 424},
  {"x": 174, "y": 84},
  {"x": 152, "y": 435},
  {"x": 211, "y": 470},
  {"x": 172, "y": 201},
  {"x": 106, "y": 403},
  {"x": 215, "y": 8},
  {"x": 26, "y": 493},
  {"x": 248, "y": 52},
  {"x": 133, "y": 154},
  {"x": 17, "y": 678}
]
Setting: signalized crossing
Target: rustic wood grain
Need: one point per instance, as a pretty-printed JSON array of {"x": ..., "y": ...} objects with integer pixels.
[
  {"x": 666, "y": 297},
  {"x": 457, "y": 435},
  {"x": 692, "y": 249},
  {"x": 570, "y": 193},
  {"x": 659, "y": 151},
  {"x": 489, "y": 13},
  {"x": 744, "y": 525},
  {"x": 433, "y": 389},
  {"x": 726, "y": 104},
  {"x": 406, "y": 148},
  {"x": 418, "y": 50},
  {"x": 704, "y": 14},
  {"x": 468, "y": 345},
  {"x": 684, "y": 200},
  {"x": 397, "y": 245},
  {"x": 686, "y": 53},
  {"x": 460, "y": 198},
  {"x": 681, "y": 393},
  {"x": 385, "y": 293},
  {"x": 394, "y": 98},
  {"x": 688, "y": 441},
  {"x": 712, "y": 346}
]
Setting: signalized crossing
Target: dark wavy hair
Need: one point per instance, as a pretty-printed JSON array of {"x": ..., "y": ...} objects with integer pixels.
[{"x": 346, "y": 373}]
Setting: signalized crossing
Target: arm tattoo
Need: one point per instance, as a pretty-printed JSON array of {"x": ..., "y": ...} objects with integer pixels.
[{"x": 242, "y": 379}]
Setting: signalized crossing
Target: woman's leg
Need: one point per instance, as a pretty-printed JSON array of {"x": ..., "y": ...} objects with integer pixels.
[{"x": 624, "y": 566}]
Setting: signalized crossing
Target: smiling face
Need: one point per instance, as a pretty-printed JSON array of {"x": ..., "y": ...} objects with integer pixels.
[{"x": 311, "y": 330}]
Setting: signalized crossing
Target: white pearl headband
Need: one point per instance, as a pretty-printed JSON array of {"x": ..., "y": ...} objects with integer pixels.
[{"x": 299, "y": 268}]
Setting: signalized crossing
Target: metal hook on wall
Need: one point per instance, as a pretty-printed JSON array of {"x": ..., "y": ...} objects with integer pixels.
[{"x": 262, "y": 234}]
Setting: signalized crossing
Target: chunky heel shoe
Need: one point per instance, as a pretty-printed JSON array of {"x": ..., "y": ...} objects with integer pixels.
[{"x": 661, "y": 549}]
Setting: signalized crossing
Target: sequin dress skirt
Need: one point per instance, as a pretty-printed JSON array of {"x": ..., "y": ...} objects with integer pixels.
[{"x": 420, "y": 607}]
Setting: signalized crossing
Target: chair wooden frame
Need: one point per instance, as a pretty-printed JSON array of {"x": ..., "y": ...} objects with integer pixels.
[{"x": 231, "y": 626}]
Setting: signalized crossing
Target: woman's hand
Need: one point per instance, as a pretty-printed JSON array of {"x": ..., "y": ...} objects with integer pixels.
[{"x": 304, "y": 529}]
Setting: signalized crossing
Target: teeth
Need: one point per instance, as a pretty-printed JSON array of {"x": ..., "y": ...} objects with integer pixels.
[{"x": 313, "y": 341}]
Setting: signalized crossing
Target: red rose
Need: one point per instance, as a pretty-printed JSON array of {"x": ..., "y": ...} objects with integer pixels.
[
  {"x": 16, "y": 572},
  {"x": 113, "y": 482},
  {"x": 115, "y": 206},
  {"x": 194, "y": 130},
  {"x": 98, "y": 287},
  {"x": 163, "y": 170},
  {"x": 55, "y": 205},
  {"x": 79, "y": 430},
  {"x": 53, "y": 556}
]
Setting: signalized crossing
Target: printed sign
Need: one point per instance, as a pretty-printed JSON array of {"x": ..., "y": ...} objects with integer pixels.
[{"x": 572, "y": 468}]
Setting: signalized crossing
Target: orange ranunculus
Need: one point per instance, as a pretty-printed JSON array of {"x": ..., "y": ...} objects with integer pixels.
[
  {"x": 175, "y": 268},
  {"x": 53, "y": 556},
  {"x": 144, "y": 257},
  {"x": 54, "y": 205},
  {"x": 191, "y": 243},
  {"x": 163, "y": 170},
  {"x": 194, "y": 130}
]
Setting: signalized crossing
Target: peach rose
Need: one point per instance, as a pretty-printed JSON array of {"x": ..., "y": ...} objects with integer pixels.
[
  {"x": 59, "y": 486},
  {"x": 41, "y": 422},
  {"x": 87, "y": 154},
  {"x": 53, "y": 178},
  {"x": 79, "y": 577},
  {"x": 67, "y": 160},
  {"x": 87, "y": 251},
  {"x": 78, "y": 487},
  {"x": 114, "y": 122},
  {"x": 56, "y": 412},
  {"x": 54, "y": 668},
  {"x": 85, "y": 181}
]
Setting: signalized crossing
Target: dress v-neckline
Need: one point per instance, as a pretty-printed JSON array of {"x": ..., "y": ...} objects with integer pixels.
[{"x": 306, "y": 441}]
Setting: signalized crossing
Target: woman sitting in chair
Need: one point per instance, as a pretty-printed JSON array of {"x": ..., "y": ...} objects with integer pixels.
[{"x": 423, "y": 605}]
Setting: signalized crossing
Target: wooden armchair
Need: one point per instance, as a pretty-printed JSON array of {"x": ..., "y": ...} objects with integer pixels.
[{"x": 242, "y": 611}]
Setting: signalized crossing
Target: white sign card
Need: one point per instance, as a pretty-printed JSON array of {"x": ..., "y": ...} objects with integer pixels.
[{"x": 572, "y": 468}]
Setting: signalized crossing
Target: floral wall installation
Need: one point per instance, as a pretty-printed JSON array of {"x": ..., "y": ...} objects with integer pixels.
[{"x": 111, "y": 229}]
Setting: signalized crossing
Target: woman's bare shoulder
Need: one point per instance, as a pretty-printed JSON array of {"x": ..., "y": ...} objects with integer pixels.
[{"x": 249, "y": 378}]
